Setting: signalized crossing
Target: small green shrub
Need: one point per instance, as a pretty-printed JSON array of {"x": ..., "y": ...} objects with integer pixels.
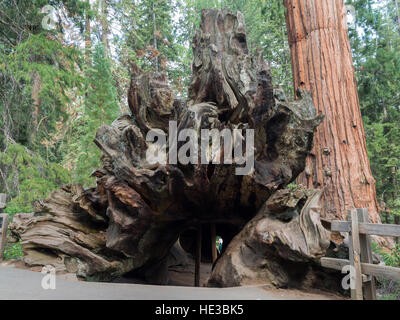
[
  {"x": 388, "y": 289},
  {"x": 29, "y": 178},
  {"x": 391, "y": 259},
  {"x": 14, "y": 209},
  {"x": 13, "y": 251}
]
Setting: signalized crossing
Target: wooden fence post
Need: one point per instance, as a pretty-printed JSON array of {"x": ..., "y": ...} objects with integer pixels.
[
  {"x": 3, "y": 202},
  {"x": 360, "y": 252},
  {"x": 354, "y": 255},
  {"x": 3, "y": 233},
  {"x": 366, "y": 257}
]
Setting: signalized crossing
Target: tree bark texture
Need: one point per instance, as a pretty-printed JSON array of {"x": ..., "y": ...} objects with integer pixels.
[{"x": 322, "y": 63}]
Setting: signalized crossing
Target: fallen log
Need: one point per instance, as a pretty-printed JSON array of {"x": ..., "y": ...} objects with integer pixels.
[{"x": 138, "y": 209}]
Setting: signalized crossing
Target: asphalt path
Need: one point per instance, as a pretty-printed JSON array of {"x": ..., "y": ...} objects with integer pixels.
[{"x": 19, "y": 284}]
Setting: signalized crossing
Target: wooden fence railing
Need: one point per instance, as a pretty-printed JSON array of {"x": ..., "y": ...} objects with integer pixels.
[
  {"x": 3, "y": 203},
  {"x": 3, "y": 225},
  {"x": 363, "y": 271}
]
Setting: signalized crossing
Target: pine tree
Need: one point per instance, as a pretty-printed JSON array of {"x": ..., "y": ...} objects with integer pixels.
[
  {"x": 101, "y": 106},
  {"x": 37, "y": 72},
  {"x": 38, "y": 75},
  {"x": 150, "y": 36}
]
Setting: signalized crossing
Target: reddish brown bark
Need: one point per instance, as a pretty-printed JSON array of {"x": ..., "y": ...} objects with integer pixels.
[{"x": 322, "y": 63}]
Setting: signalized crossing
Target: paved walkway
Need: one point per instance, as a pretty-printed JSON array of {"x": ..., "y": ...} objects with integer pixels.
[{"x": 23, "y": 284}]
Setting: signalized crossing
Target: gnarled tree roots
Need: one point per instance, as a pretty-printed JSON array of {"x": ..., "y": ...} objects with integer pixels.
[{"x": 137, "y": 211}]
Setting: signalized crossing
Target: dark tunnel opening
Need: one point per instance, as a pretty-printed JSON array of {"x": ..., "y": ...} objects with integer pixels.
[{"x": 187, "y": 239}]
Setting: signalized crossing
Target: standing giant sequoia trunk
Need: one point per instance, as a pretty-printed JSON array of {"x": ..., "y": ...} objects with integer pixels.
[
  {"x": 138, "y": 210},
  {"x": 322, "y": 63}
]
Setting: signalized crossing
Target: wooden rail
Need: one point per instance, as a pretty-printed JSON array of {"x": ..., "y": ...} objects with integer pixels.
[
  {"x": 3, "y": 233},
  {"x": 3, "y": 198},
  {"x": 360, "y": 253},
  {"x": 3, "y": 225},
  {"x": 366, "y": 268}
]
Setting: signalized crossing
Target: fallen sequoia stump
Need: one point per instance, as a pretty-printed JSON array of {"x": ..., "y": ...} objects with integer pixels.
[
  {"x": 137, "y": 211},
  {"x": 280, "y": 246}
]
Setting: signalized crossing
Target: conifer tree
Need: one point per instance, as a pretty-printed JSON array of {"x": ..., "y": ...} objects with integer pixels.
[
  {"x": 101, "y": 106},
  {"x": 149, "y": 38}
]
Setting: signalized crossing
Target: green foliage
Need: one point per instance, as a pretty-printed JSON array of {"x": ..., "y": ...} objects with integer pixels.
[
  {"x": 28, "y": 177},
  {"x": 26, "y": 51},
  {"x": 387, "y": 288},
  {"x": 56, "y": 67},
  {"x": 292, "y": 186},
  {"x": 149, "y": 39},
  {"x": 391, "y": 259},
  {"x": 101, "y": 107},
  {"x": 13, "y": 251}
]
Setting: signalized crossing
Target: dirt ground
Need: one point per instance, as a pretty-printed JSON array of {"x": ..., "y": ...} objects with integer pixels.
[{"x": 184, "y": 276}]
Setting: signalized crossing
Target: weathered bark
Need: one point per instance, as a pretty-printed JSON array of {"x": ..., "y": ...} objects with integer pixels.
[
  {"x": 280, "y": 247},
  {"x": 68, "y": 233},
  {"x": 322, "y": 63},
  {"x": 140, "y": 209}
]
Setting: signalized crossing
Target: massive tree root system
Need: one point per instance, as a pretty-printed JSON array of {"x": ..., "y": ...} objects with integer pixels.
[{"x": 137, "y": 211}]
